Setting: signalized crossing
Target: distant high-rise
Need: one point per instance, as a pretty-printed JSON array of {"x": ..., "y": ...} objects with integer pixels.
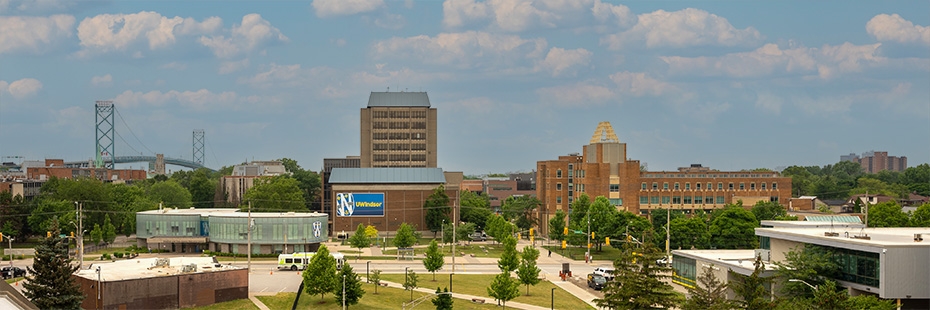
[
  {"x": 398, "y": 129},
  {"x": 873, "y": 162}
]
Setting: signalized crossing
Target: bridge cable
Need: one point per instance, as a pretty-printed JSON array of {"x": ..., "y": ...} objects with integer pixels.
[
  {"x": 127, "y": 143},
  {"x": 131, "y": 132}
]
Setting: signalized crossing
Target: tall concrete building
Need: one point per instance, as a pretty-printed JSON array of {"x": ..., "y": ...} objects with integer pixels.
[
  {"x": 398, "y": 129},
  {"x": 873, "y": 162}
]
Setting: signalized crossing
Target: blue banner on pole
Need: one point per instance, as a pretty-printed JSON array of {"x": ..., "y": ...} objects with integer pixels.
[{"x": 360, "y": 204}]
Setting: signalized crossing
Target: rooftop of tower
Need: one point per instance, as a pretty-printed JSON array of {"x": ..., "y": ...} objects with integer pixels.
[{"x": 398, "y": 99}]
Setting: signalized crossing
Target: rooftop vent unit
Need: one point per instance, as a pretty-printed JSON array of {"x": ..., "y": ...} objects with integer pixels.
[
  {"x": 918, "y": 238},
  {"x": 162, "y": 262},
  {"x": 831, "y": 234},
  {"x": 863, "y": 237},
  {"x": 189, "y": 268}
]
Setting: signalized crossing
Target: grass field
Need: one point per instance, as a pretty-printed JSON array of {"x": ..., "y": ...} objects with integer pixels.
[
  {"x": 238, "y": 304},
  {"x": 387, "y": 298},
  {"x": 476, "y": 284}
]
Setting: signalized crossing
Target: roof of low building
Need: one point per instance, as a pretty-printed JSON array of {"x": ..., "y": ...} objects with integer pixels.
[
  {"x": 877, "y": 237},
  {"x": 228, "y": 212},
  {"x": 739, "y": 261},
  {"x": 141, "y": 268},
  {"x": 398, "y": 99},
  {"x": 387, "y": 176}
]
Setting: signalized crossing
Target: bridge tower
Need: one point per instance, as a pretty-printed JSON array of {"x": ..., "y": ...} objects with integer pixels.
[
  {"x": 198, "y": 146},
  {"x": 105, "y": 135}
]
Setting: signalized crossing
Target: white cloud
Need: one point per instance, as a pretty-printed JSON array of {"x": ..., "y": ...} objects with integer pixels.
[
  {"x": 122, "y": 32},
  {"x": 685, "y": 28},
  {"x": 825, "y": 62},
  {"x": 558, "y": 60},
  {"x": 894, "y": 28},
  {"x": 200, "y": 100},
  {"x": 252, "y": 34},
  {"x": 464, "y": 49},
  {"x": 35, "y": 7},
  {"x": 275, "y": 74},
  {"x": 20, "y": 89},
  {"x": 327, "y": 8},
  {"x": 522, "y": 15},
  {"x": 102, "y": 81},
  {"x": 638, "y": 84},
  {"x": 769, "y": 102},
  {"x": 33, "y": 34},
  {"x": 70, "y": 120},
  {"x": 576, "y": 95},
  {"x": 391, "y": 21},
  {"x": 232, "y": 66}
]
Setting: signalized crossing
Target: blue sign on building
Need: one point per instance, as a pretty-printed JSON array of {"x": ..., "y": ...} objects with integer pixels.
[{"x": 360, "y": 204}]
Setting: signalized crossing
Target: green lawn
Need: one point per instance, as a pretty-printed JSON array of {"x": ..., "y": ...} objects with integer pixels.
[
  {"x": 238, "y": 304},
  {"x": 387, "y": 298},
  {"x": 576, "y": 253},
  {"x": 479, "y": 249},
  {"x": 476, "y": 284}
]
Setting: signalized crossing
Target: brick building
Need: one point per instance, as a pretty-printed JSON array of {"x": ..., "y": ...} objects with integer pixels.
[
  {"x": 56, "y": 168},
  {"x": 398, "y": 130},
  {"x": 603, "y": 169},
  {"x": 873, "y": 162}
]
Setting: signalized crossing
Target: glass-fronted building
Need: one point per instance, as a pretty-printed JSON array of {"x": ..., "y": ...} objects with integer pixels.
[{"x": 227, "y": 230}]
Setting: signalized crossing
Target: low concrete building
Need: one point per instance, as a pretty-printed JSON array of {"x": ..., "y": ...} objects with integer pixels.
[
  {"x": 161, "y": 283},
  {"x": 690, "y": 264}
]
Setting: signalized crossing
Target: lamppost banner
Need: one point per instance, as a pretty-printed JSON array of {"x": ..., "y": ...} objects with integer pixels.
[{"x": 360, "y": 204}]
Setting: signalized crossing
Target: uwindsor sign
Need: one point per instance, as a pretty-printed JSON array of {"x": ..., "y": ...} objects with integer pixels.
[{"x": 360, "y": 204}]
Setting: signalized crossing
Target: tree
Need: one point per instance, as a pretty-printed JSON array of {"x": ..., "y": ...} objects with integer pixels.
[
  {"x": 307, "y": 181},
  {"x": 443, "y": 300},
  {"x": 497, "y": 227},
  {"x": 917, "y": 179},
  {"x": 404, "y": 237},
  {"x": 528, "y": 272},
  {"x": 708, "y": 294},
  {"x": 438, "y": 209},
  {"x": 50, "y": 285},
  {"x": 503, "y": 288},
  {"x": 170, "y": 193},
  {"x": 434, "y": 258},
  {"x": 474, "y": 208},
  {"x": 96, "y": 234},
  {"x": 921, "y": 216},
  {"x": 320, "y": 276},
  {"x": 410, "y": 282},
  {"x": 462, "y": 232},
  {"x": 826, "y": 296},
  {"x": 768, "y": 210},
  {"x": 375, "y": 279},
  {"x": 275, "y": 194},
  {"x": 349, "y": 283},
  {"x": 520, "y": 210},
  {"x": 811, "y": 264},
  {"x": 751, "y": 289},
  {"x": 867, "y": 301},
  {"x": 603, "y": 220},
  {"x": 887, "y": 214},
  {"x": 371, "y": 232},
  {"x": 201, "y": 183},
  {"x": 557, "y": 226},
  {"x": 509, "y": 260},
  {"x": 733, "y": 228},
  {"x": 360, "y": 240},
  {"x": 109, "y": 231},
  {"x": 639, "y": 282},
  {"x": 871, "y": 185},
  {"x": 689, "y": 232}
]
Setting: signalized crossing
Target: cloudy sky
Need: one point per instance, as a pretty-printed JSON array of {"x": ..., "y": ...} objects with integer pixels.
[{"x": 728, "y": 84}]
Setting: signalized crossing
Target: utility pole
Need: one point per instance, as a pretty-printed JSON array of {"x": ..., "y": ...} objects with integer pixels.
[
  {"x": 588, "y": 254},
  {"x": 343, "y": 292},
  {"x": 454, "y": 220},
  {"x": 9, "y": 240},
  {"x": 249, "y": 233},
  {"x": 668, "y": 225},
  {"x": 80, "y": 234}
]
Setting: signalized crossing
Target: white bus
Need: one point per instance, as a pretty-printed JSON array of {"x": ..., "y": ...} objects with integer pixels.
[{"x": 300, "y": 260}]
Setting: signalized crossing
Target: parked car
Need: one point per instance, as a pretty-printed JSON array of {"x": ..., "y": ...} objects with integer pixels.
[
  {"x": 665, "y": 261},
  {"x": 478, "y": 237},
  {"x": 12, "y": 272},
  {"x": 606, "y": 272},
  {"x": 596, "y": 281}
]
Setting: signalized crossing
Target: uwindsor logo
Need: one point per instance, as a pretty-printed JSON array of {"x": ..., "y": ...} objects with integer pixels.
[{"x": 345, "y": 204}]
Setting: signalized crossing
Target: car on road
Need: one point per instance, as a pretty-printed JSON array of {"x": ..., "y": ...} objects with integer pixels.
[
  {"x": 606, "y": 272},
  {"x": 596, "y": 281},
  {"x": 478, "y": 237},
  {"x": 12, "y": 272},
  {"x": 664, "y": 261}
]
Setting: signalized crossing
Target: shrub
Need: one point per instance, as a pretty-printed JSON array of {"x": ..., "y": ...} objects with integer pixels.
[
  {"x": 105, "y": 256},
  {"x": 118, "y": 254}
]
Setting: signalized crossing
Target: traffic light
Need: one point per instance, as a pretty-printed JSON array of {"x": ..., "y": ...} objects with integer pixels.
[
  {"x": 1, "y": 236},
  {"x": 589, "y": 245},
  {"x": 563, "y": 244},
  {"x": 531, "y": 232},
  {"x": 565, "y": 232},
  {"x": 607, "y": 240},
  {"x": 48, "y": 234},
  {"x": 72, "y": 235},
  {"x": 592, "y": 235}
]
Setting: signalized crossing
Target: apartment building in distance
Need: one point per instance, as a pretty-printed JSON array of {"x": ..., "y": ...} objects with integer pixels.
[
  {"x": 603, "y": 169},
  {"x": 875, "y": 161},
  {"x": 398, "y": 129},
  {"x": 243, "y": 178}
]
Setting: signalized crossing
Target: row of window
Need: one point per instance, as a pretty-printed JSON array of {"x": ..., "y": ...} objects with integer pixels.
[
  {"x": 697, "y": 186},
  {"x": 398, "y": 136},
  {"x": 398, "y": 147},
  {"x": 398, "y": 125},
  {"x": 571, "y": 173},
  {"x": 398, "y": 114},
  {"x": 558, "y": 187},
  {"x": 655, "y": 200},
  {"x": 398, "y": 157},
  {"x": 735, "y": 175}
]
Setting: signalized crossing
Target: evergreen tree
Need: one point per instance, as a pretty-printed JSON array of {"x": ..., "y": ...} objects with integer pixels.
[
  {"x": 639, "y": 283},
  {"x": 528, "y": 272},
  {"x": 827, "y": 297},
  {"x": 320, "y": 276},
  {"x": 404, "y": 237},
  {"x": 375, "y": 279},
  {"x": 109, "y": 230},
  {"x": 360, "y": 240},
  {"x": 708, "y": 294},
  {"x": 410, "y": 282},
  {"x": 812, "y": 264},
  {"x": 504, "y": 288},
  {"x": 434, "y": 258},
  {"x": 443, "y": 301},
  {"x": 50, "y": 285},
  {"x": 509, "y": 260},
  {"x": 96, "y": 234},
  {"x": 751, "y": 289},
  {"x": 350, "y": 282}
]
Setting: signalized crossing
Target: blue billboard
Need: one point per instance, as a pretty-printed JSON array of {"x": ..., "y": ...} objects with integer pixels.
[{"x": 360, "y": 204}]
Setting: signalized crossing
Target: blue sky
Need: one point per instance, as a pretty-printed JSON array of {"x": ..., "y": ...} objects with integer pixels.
[{"x": 728, "y": 84}]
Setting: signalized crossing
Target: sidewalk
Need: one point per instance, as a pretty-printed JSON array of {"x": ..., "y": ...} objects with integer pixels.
[{"x": 469, "y": 298}]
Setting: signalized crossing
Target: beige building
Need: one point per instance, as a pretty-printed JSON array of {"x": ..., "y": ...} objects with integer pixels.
[
  {"x": 398, "y": 130},
  {"x": 243, "y": 178}
]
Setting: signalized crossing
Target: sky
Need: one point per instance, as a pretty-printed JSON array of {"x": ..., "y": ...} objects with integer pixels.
[{"x": 728, "y": 84}]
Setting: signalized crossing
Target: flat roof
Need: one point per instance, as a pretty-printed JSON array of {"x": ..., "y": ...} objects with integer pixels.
[
  {"x": 878, "y": 237},
  {"x": 398, "y": 99},
  {"x": 141, "y": 268},
  {"x": 740, "y": 261},
  {"x": 813, "y": 224},
  {"x": 387, "y": 176},
  {"x": 228, "y": 212}
]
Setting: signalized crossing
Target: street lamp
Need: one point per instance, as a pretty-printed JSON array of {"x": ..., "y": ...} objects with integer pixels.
[
  {"x": 802, "y": 281},
  {"x": 552, "y": 299},
  {"x": 367, "y": 275},
  {"x": 343, "y": 292},
  {"x": 406, "y": 276}
]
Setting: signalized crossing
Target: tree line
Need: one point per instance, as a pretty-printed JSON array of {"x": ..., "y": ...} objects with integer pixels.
[{"x": 846, "y": 178}]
